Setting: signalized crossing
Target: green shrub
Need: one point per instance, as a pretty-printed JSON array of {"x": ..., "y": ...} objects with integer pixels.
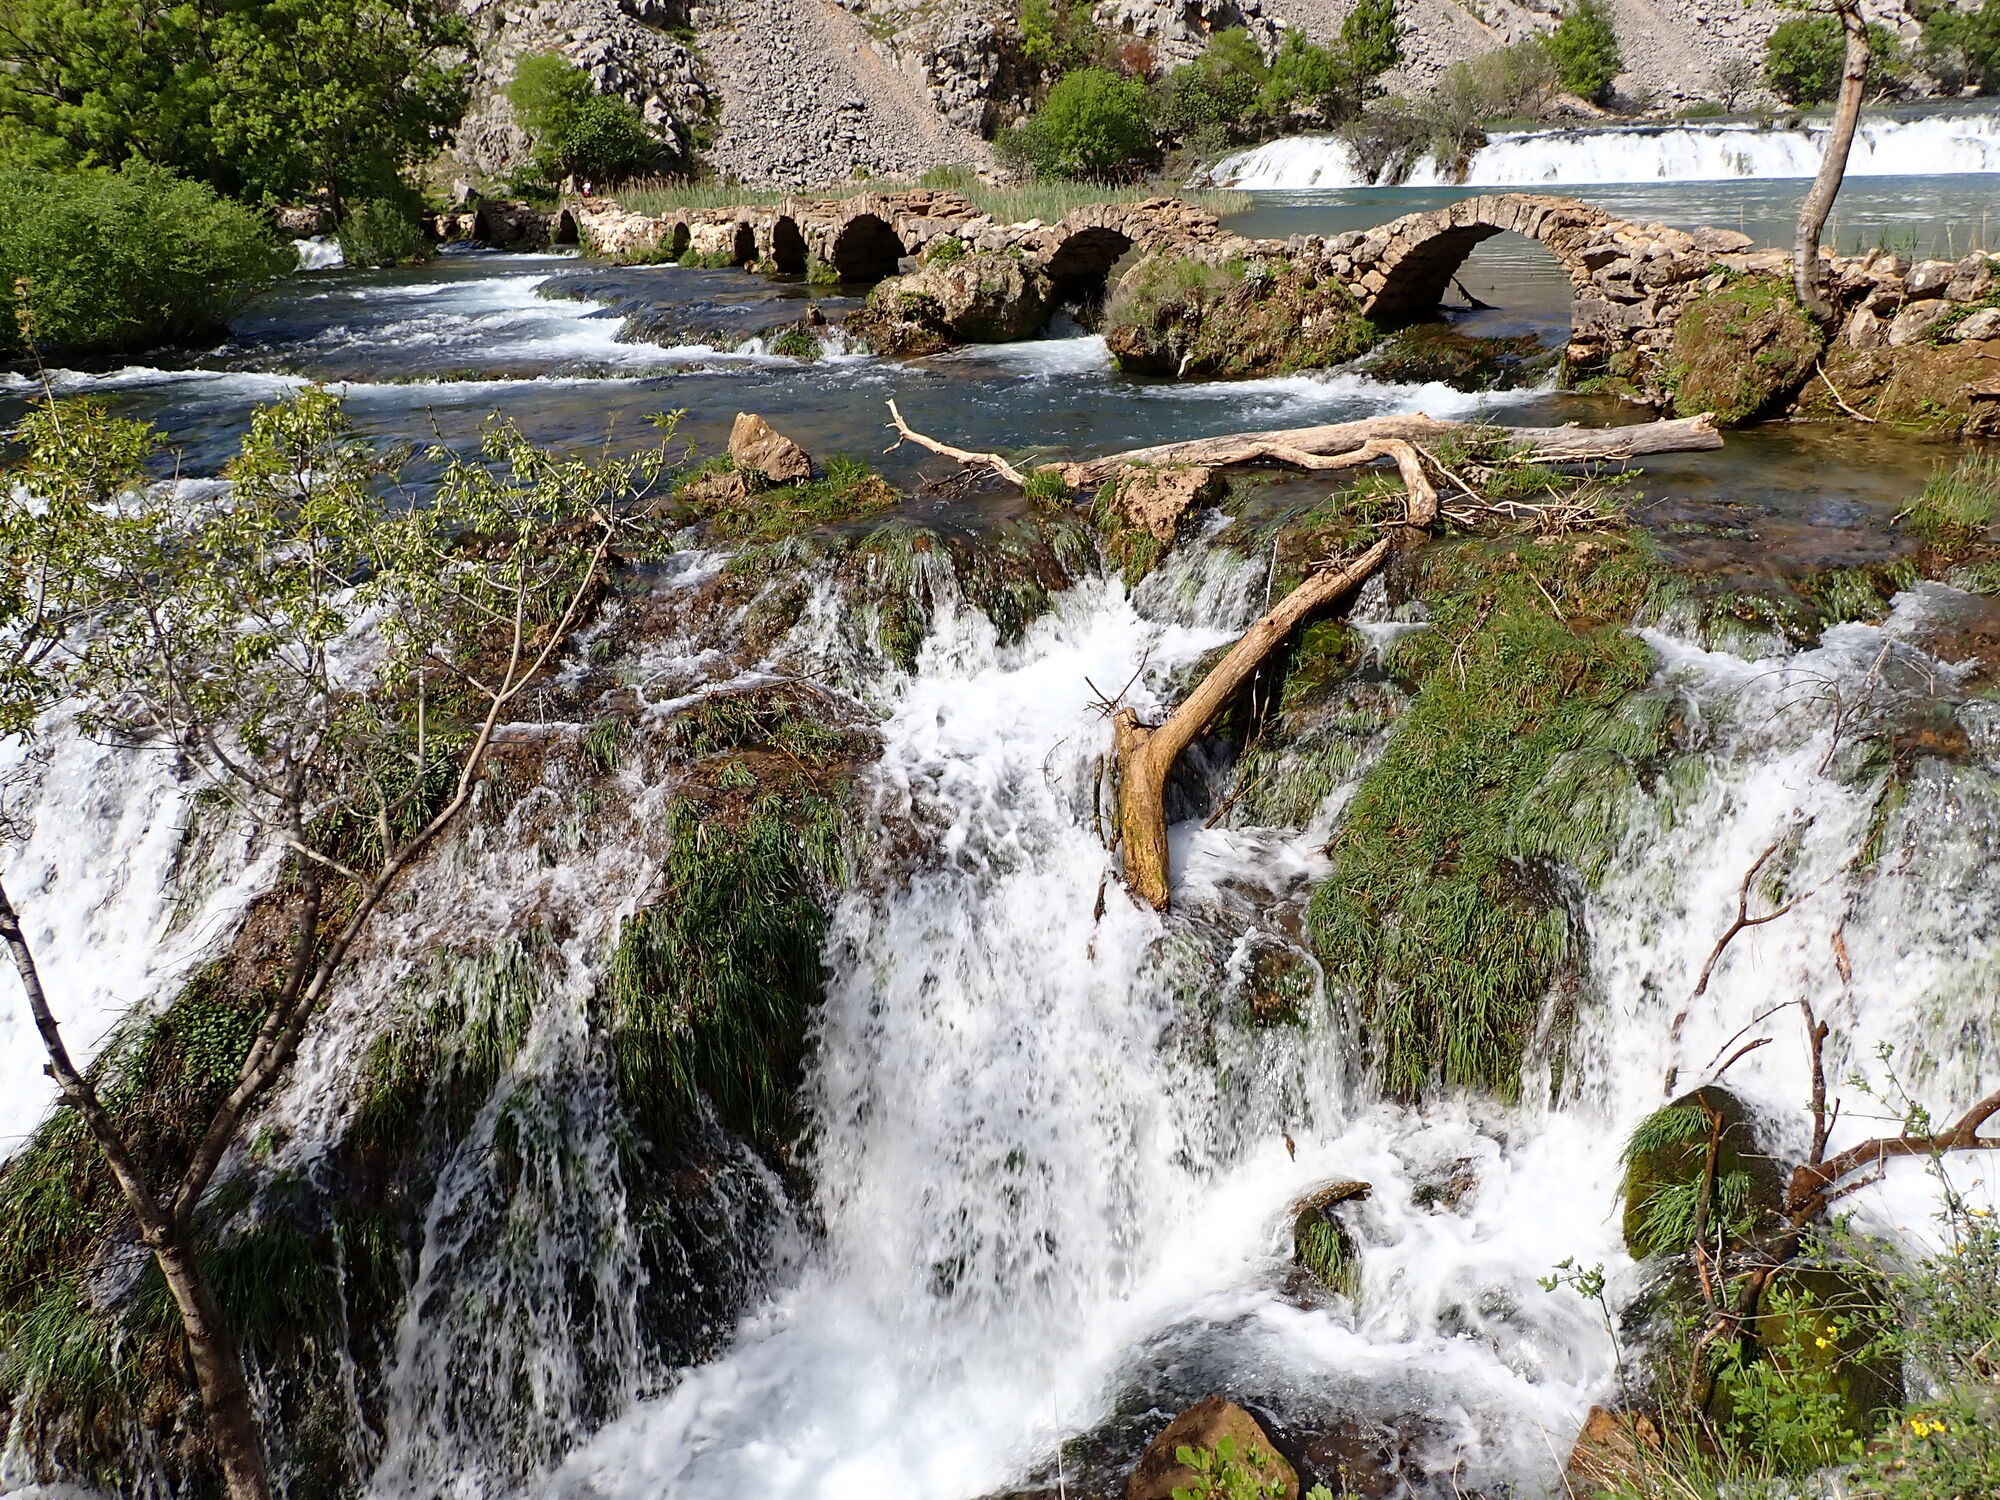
[
  {"x": 1371, "y": 36},
  {"x": 1958, "y": 504},
  {"x": 123, "y": 260},
  {"x": 383, "y": 232},
  {"x": 1055, "y": 38},
  {"x": 1217, "y": 98},
  {"x": 1093, "y": 124},
  {"x": 1961, "y": 47},
  {"x": 280, "y": 99},
  {"x": 578, "y": 132},
  {"x": 1585, "y": 50}
]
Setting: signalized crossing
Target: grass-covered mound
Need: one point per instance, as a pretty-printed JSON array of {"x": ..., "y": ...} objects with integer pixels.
[
  {"x": 1741, "y": 351},
  {"x": 1527, "y": 721}
]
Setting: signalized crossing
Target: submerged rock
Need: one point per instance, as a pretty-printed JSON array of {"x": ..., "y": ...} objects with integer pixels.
[
  {"x": 1741, "y": 351},
  {"x": 1202, "y": 1426},
  {"x": 760, "y": 448},
  {"x": 972, "y": 299},
  {"x": 1173, "y": 314}
]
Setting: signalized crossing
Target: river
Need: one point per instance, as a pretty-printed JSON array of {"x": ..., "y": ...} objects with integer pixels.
[{"x": 1042, "y": 1213}]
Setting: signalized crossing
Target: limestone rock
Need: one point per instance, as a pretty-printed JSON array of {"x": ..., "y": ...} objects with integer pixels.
[
  {"x": 1865, "y": 329},
  {"x": 1611, "y": 1452},
  {"x": 1200, "y": 1426},
  {"x": 760, "y": 448},
  {"x": 1971, "y": 280},
  {"x": 1984, "y": 324},
  {"x": 979, "y": 298},
  {"x": 1929, "y": 278},
  {"x": 1157, "y": 498},
  {"x": 1914, "y": 321}
]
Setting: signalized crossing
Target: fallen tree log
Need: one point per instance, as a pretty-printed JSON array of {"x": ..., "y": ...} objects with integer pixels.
[
  {"x": 1308, "y": 447},
  {"x": 1145, "y": 757},
  {"x": 1568, "y": 444}
]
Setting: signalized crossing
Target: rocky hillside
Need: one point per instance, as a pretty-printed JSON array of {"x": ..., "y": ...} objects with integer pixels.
[{"x": 796, "y": 93}]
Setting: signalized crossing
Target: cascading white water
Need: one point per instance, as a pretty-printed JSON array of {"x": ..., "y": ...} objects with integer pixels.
[
  {"x": 1884, "y": 147},
  {"x": 1043, "y": 1202}
]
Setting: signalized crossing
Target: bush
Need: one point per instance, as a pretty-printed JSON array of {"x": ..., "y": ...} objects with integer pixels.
[
  {"x": 1371, "y": 36},
  {"x": 1218, "y": 97},
  {"x": 1802, "y": 58},
  {"x": 578, "y": 132},
  {"x": 123, "y": 260},
  {"x": 277, "y": 99},
  {"x": 1509, "y": 83},
  {"x": 1585, "y": 50},
  {"x": 1304, "y": 75},
  {"x": 1093, "y": 124},
  {"x": 383, "y": 232},
  {"x": 1962, "y": 47},
  {"x": 1056, "y": 39}
]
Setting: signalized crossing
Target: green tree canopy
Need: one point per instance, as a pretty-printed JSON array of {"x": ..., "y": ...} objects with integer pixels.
[
  {"x": 1802, "y": 58},
  {"x": 1961, "y": 47},
  {"x": 263, "y": 99},
  {"x": 1585, "y": 50}
]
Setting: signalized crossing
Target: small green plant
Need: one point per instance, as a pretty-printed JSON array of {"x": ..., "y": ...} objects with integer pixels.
[
  {"x": 1232, "y": 1471},
  {"x": 944, "y": 250},
  {"x": 1047, "y": 490},
  {"x": 796, "y": 343}
]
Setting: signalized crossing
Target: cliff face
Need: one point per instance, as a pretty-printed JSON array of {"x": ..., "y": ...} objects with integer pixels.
[
  {"x": 810, "y": 93},
  {"x": 627, "y": 48}
]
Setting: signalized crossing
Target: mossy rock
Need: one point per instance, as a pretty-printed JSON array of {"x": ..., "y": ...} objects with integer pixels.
[
  {"x": 1667, "y": 1160},
  {"x": 1742, "y": 351},
  {"x": 1322, "y": 1245},
  {"x": 1949, "y": 389},
  {"x": 1438, "y": 351},
  {"x": 1830, "y": 1323},
  {"x": 1175, "y": 315}
]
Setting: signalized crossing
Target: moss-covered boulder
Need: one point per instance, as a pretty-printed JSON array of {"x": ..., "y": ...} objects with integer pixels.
[
  {"x": 1173, "y": 314},
  {"x": 1666, "y": 1169},
  {"x": 967, "y": 299},
  {"x": 1441, "y": 352},
  {"x": 1322, "y": 1245},
  {"x": 1742, "y": 351},
  {"x": 1831, "y": 1328},
  {"x": 1952, "y": 390},
  {"x": 1219, "y": 1432}
]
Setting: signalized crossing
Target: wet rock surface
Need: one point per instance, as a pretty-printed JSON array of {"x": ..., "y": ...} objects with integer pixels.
[{"x": 977, "y": 298}]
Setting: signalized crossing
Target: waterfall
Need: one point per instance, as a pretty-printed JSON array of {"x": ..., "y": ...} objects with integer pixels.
[
  {"x": 1050, "y": 1152},
  {"x": 321, "y": 252},
  {"x": 1884, "y": 147}
]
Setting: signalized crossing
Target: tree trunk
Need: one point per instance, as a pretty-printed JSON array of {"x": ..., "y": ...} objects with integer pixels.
[
  {"x": 218, "y": 1372},
  {"x": 1145, "y": 756},
  {"x": 1806, "y": 275}
]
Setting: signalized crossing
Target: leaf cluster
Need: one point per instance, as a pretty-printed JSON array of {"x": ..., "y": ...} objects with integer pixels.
[
  {"x": 274, "y": 101},
  {"x": 578, "y": 131},
  {"x": 99, "y": 261}
]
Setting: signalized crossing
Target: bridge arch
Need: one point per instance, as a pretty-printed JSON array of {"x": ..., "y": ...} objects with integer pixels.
[
  {"x": 1420, "y": 253},
  {"x": 866, "y": 249},
  {"x": 743, "y": 248},
  {"x": 564, "y": 232},
  {"x": 1081, "y": 263},
  {"x": 788, "y": 245}
]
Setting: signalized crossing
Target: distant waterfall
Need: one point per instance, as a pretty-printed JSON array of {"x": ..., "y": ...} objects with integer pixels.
[{"x": 1885, "y": 147}]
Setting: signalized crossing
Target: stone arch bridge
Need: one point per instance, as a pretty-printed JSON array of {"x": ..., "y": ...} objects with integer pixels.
[{"x": 1630, "y": 279}]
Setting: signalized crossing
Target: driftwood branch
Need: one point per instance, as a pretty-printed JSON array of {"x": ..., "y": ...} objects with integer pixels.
[
  {"x": 907, "y": 434},
  {"x": 1541, "y": 444},
  {"x": 1311, "y": 447}
]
